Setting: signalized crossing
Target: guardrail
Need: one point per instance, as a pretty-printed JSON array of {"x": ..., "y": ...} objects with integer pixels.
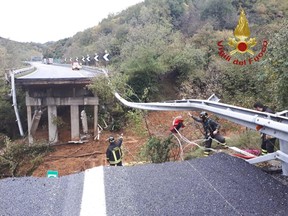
[
  {"x": 17, "y": 72},
  {"x": 271, "y": 124},
  {"x": 10, "y": 78},
  {"x": 24, "y": 70}
]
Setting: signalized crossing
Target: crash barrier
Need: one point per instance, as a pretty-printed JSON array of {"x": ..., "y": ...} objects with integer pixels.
[
  {"x": 18, "y": 71},
  {"x": 10, "y": 78},
  {"x": 275, "y": 125},
  {"x": 24, "y": 70}
]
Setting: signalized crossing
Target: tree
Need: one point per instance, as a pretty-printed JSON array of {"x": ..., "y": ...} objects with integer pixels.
[
  {"x": 278, "y": 60},
  {"x": 8, "y": 120},
  {"x": 142, "y": 56},
  {"x": 3, "y": 60},
  {"x": 221, "y": 13}
]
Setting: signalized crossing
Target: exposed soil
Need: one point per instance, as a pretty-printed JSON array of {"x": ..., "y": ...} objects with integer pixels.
[
  {"x": 69, "y": 158},
  {"x": 72, "y": 158}
]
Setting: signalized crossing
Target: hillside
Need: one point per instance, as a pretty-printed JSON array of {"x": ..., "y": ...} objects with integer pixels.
[
  {"x": 12, "y": 53},
  {"x": 72, "y": 158},
  {"x": 165, "y": 50},
  {"x": 175, "y": 42},
  {"x": 168, "y": 49}
]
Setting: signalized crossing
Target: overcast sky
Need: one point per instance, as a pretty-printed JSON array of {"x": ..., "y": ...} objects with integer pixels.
[{"x": 50, "y": 20}]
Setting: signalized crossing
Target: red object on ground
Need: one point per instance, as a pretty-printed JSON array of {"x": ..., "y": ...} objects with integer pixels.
[
  {"x": 253, "y": 151},
  {"x": 243, "y": 156}
]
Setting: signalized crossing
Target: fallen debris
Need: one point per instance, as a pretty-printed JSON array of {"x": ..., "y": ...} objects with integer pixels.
[{"x": 78, "y": 141}]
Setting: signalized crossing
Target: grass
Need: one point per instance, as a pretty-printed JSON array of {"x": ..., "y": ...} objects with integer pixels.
[{"x": 248, "y": 139}]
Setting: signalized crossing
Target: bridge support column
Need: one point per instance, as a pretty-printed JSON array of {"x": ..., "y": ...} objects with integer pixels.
[
  {"x": 95, "y": 120},
  {"x": 29, "y": 121},
  {"x": 52, "y": 116},
  {"x": 74, "y": 112}
]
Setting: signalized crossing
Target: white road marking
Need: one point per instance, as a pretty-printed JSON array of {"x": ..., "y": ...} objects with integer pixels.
[{"x": 93, "y": 198}]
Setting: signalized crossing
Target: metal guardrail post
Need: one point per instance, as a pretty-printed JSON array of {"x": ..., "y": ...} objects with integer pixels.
[
  {"x": 284, "y": 149},
  {"x": 13, "y": 90}
]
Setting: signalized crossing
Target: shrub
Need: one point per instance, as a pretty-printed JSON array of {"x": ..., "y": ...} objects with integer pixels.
[
  {"x": 157, "y": 150},
  {"x": 18, "y": 159}
]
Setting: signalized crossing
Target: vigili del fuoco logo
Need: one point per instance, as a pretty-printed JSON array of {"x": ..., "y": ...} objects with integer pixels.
[{"x": 242, "y": 43}]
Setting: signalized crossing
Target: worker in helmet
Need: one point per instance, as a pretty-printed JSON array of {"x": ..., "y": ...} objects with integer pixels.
[
  {"x": 114, "y": 152},
  {"x": 177, "y": 124},
  {"x": 211, "y": 131},
  {"x": 267, "y": 142}
]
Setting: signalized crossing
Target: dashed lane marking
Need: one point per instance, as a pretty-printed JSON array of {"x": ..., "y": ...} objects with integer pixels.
[{"x": 93, "y": 198}]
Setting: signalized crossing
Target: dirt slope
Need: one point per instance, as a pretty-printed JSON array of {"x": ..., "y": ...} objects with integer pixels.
[{"x": 72, "y": 158}]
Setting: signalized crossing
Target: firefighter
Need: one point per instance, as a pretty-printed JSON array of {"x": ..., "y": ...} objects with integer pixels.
[
  {"x": 267, "y": 142},
  {"x": 114, "y": 153},
  {"x": 177, "y": 124},
  {"x": 211, "y": 131}
]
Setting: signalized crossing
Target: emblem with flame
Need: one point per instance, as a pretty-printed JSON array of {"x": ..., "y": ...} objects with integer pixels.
[{"x": 241, "y": 34}]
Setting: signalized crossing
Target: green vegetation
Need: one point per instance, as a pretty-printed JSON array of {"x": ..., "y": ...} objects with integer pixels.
[
  {"x": 9, "y": 125},
  {"x": 15, "y": 156},
  {"x": 276, "y": 71},
  {"x": 162, "y": 150},
  {"x": 157, "y": 150},
  {"x": 156, "y": 43},
  {"x": 247, "y": 140},
  {"x": 12, "y": 54},
  {"x": 167, "y": 49},
  {"x": 172, "y": 46}
]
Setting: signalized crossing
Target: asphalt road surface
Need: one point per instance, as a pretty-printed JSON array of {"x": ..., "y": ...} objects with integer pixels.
[
  {"x": 53, "y": 71},
  {"x": 217, "y": 185}
]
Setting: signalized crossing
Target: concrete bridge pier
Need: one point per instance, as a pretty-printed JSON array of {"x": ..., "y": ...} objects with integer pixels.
[
  {"x": 75, "y": 131},
  {"x": 29, "y": 122},
  {"x": 95, "y": 121},
  {"x": 52, "y": 103},
  {"x": 52, "y": 124},
  {"x": 50, "y": 89}
]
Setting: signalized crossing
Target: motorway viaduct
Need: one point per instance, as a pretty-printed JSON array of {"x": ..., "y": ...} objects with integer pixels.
[{"x": 52, "y": 86}]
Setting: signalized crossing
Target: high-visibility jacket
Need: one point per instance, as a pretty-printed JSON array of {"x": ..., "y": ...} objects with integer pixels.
[{"x": 114, "y": 152}]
